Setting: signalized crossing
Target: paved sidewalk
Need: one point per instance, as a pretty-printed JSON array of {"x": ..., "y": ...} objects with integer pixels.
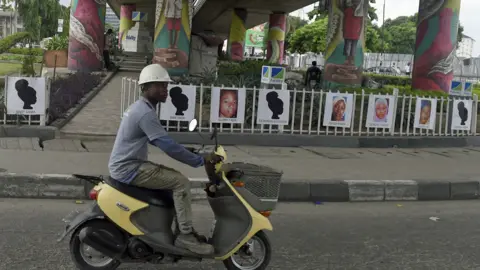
[
  {"x": 298, "y": 164},
  {"x": 102, "y": 114}
]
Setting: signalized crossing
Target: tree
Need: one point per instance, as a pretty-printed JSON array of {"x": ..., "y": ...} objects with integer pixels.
[
  {"x": 293, "y": 23},
  {"x": 40, "y": 17},
  {"x": 66, "y": 21},
  {"x": 401, "y": 33},
  {"x": 310, "y": 38},
  {"x": 373, "y": 41}
]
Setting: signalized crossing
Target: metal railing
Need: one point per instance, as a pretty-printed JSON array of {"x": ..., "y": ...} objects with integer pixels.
[{"x": 306, "y": 114}]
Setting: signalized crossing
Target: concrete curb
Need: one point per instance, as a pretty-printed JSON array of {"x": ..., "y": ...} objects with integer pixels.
[
  {"x": 68, "y": 187},
  {"x": 296, "y": 140}
]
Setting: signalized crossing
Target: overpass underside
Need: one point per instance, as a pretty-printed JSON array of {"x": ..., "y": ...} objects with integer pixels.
[{"x": 172, "y": 29}]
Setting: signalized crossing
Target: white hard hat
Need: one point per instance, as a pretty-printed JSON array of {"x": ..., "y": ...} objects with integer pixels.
[{"x": 153, "y": 73}]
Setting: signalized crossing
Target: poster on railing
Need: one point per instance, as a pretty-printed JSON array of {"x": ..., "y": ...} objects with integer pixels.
[
  {"x": 461, "y": 114},
  {"x": 227, "y": 105},
  {"x": 425, "y": 113},
  {"x": 180, "y": 104},
  {"x": 380, "y": 111},
  {"x": 338, "y": 110},
  {"x": 26, "y": 95},
  {"x": 273, "y": 107}
]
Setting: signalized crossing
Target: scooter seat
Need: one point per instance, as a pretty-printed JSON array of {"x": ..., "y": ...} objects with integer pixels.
[{"x": 157, "y": 197}]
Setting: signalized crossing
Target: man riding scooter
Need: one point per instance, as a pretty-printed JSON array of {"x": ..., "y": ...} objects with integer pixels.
[{"x": 129, "y": 158}]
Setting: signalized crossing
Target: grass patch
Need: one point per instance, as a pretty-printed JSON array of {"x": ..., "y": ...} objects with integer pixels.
[{"x": 9, "y": 68}]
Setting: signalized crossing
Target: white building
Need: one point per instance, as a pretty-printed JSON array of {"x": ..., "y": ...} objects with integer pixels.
[
  {"x": 8, "y": 25},
  {"x": 465, "y": 48},
  {"x": 111, "y": 18}
]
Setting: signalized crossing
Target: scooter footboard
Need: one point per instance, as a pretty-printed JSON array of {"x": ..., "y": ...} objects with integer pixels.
[{"x": 233, "y": 222}]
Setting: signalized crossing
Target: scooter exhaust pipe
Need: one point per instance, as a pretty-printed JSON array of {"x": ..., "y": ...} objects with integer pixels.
[{"x": 101, "y": 242}]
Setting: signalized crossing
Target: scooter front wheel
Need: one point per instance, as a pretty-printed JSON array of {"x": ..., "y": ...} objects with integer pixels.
[
  {"x": 87, "y": 258},
  {"x": 246, "y": 253}
]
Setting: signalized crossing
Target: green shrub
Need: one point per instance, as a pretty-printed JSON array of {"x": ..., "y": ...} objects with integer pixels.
[
  {"x": 18, "y": 58},
  {"x": 26, "y": 51},
  {"x": 246, "y": 67},
  {"x": 57, "y": 43},
  {"x": 388, "y": 79},
  {"x": 28, "y": 68},
  {"x": 10, "y": 41}
]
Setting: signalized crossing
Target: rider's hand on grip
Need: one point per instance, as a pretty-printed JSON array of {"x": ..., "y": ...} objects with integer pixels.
[{"x": 214, "y": 159}]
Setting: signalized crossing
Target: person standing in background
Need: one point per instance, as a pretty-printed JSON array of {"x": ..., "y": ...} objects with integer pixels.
[
  {"x": 107, "y": 47},
  {"x": 408, "y": 69},
  {"x": 313, "y": 75}
]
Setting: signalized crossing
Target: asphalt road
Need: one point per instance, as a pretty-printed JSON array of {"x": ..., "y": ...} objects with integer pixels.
[{"x": 314, "y": 237}]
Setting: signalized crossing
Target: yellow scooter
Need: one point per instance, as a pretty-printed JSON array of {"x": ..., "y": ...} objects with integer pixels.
[{"x": 127, "y": 224}]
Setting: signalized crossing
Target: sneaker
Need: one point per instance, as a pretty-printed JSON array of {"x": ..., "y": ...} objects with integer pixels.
[
  {"x": 201, "y": 238},
  {"x": 191, "y": 242}
]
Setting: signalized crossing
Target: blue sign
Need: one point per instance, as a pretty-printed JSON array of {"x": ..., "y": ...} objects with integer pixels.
[{"x": 138, "y": 16}]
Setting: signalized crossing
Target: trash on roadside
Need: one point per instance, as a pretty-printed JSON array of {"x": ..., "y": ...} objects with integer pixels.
[
  {"x": 399, "y": 205},
  {"x": 318, "y": 203},
  {"x": 79, "y": 202},
  {"x": 434, "y": 219}
]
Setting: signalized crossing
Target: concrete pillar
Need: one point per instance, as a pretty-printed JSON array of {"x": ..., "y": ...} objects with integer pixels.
[
  {"x": 87, "y": 26},
  {"x": 236, "y": 38},
  {"x": 345, "y": 43},
  {"x": 126, "y": 22},
  {"x": 173, "y": 35},
  {"x": 435, "y": 46},
  {"x": 276, "y": 37}
]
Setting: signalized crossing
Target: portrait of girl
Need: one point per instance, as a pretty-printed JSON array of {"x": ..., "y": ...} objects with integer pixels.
[{"x": 228, "y": 104}]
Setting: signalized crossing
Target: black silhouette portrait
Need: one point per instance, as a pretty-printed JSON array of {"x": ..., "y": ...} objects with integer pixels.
[
  {"x": 275, "y": 104},
  {"x": 179, "y": 100},
  {"x": 26, "y": 93},
  {"x": 462, "y": 112}
]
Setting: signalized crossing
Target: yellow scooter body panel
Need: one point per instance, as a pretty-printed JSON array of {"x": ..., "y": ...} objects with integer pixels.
[
  {"x": 259, "y": 222},
  {"x": 119, "y": 207}
]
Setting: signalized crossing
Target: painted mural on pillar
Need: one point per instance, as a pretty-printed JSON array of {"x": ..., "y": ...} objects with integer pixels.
[
  {"x": 126, "y": 22},
  {"x": 236, "y": 38},
  {"x": 345, "y": 43},
  {"x": 436, "y": 43},
  {"x": 172, "y": 35},
  {"x": 276, "y": 38},
  {"x": 86, "y": 41}
]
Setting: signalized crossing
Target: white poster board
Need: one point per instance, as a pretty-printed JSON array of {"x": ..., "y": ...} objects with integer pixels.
[
  {"x": 461, "y": 114},
  {"x": 180, "y": 104},
  {"x": 425, "y": 113},
  {"x": 380, "y": 111},
  {"x": 26, "y": 95},
  {"x": 338, "y": 110},
  {"x": 227, "y": 105},
  {"x": 273, "y": 107}
]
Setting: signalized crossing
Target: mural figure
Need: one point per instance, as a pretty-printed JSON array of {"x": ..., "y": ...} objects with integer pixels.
[
  {"x": 172, "y": 35},
  {"x": 126, "y": 22},
  {"x": 345, "y": 43},
  {"x": 236, "y": 40},
  {"x": 276, "y": 38},
  {"x": 435, "y": 45},
  {"x": 173, "y": 13},
  {"x": 87, "y": 24}
]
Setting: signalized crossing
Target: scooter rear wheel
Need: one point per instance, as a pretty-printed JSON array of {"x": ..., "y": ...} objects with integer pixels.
[
  {"x": 261, "y": 264},
  {"x": 80, "y": 251}
]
